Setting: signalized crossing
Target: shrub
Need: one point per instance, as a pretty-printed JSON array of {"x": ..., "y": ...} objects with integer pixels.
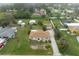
[{"x": 48, "y": 46}]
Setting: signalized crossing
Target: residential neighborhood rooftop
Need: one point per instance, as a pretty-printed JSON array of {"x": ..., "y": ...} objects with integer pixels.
[
  {"x": 72, "y": 24},
  {"x": 7, "y": 32},
  {"x": 39, "y": 33}
]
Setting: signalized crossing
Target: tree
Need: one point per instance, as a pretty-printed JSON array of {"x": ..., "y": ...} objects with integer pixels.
[
  {"x": 63, "y": 44},
  {"x": 44, "y": 27},
  {"x": 29, "y": 31},
  {"x": 57, "y": 33},
  {"x": 48, "y": 46},
  {"x": 6, "y": 19},
  {"x": 40, "y": 23}
]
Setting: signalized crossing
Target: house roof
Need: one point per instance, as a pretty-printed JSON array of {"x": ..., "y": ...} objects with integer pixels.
[
  {"x": 7, "y": 32},
  {"x": 39, "y": 33},
  {"x": 32, "y": 21},
  {"x": 72, "y": 24}
]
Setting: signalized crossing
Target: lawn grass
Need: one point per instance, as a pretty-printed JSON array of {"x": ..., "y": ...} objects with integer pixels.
[
  {"x": 73, "y": 48},
  {"x": 57, "y": 23},
  {"x": 20, "y": 45}
]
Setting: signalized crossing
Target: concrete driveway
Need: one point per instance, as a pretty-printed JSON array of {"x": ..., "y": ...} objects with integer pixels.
[{"x": 53, "y": 43}]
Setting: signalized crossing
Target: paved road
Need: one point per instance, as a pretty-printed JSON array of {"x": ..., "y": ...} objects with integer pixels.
[{"x": 53, "y": 44}]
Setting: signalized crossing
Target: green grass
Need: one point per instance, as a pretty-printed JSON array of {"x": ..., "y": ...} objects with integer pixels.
[
  {"x": 73, "y": 48},
  {"x": 57, "y": 23},
  {"x": 36, "y": 26},
  {"x": 20, "y": 45}
]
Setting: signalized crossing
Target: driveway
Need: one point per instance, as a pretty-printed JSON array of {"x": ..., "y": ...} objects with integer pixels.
[
  {"x": 53, "y": 44},
  {"x": 53, "y": 41}
]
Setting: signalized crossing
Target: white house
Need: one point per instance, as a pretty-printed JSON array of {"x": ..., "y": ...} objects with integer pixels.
[
  {"x": 73, "y": 27},
  {"x": 32, "y": 22},
  {"x": 21, "y": 23}
]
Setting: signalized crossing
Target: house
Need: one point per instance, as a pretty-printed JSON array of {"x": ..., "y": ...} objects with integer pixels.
[
  {"x": 69, "y": 11},
  {"x": 39, "y": 35},
  {"x": 7, "y": 32},
  {"x": 21, "y": 23},
  {"x": 66, "y": 21},
  {"x": 32, "y": 22},
  {"x": 73, "y": 27},
  {"x": 2, "y": 42},
  {"x": 40, "y": 12}
]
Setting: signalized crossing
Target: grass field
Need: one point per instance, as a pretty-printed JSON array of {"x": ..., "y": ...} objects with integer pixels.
[{"x": 20, "y": 45}]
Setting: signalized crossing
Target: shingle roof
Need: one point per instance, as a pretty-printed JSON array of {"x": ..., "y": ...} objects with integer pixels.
[
  {"x": 6, "y": 32},
  {"x": 39, "y": 33}
]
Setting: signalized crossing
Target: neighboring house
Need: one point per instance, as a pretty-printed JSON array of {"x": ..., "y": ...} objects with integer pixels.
[
  {"x": 69, "y": 11},
  {"x": 39, "y": 35},
  {"x": 40, "y": 12},
  {"x": 32, "y": 22},
  {"x": 21, "y": 23},
  {"x": 7, "y": 32},
  {"x": 73, "y": 27},
  {"x": 64, "y": 22}
]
